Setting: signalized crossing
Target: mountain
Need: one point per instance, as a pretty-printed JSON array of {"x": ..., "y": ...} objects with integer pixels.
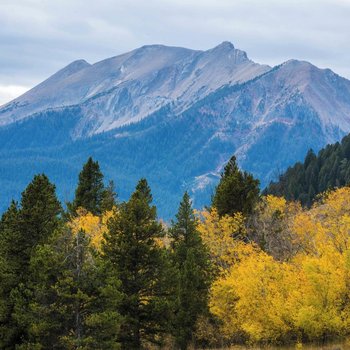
[
  {"x": 173, "y": 115},
  {"x": 127, "y": 88}
]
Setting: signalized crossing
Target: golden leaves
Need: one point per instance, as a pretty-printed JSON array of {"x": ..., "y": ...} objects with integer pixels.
[
  {"x": 223, "y": 236},
  {"x": 94, "y": 226},
  {"x": 267, "y": 300}
]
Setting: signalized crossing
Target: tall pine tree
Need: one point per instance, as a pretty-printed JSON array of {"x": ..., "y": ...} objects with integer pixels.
[
  {"x": 237, "y": 191},
  {"x": 40, "y": 212},
  {"x": 109, "y": 197},
  {"x": 10, "y": 270},
  {"x": 22, "y": 230},
  {"x": 133, "y": 251},
  {"x": 194, "y": 274},
  {"x": 90, "y": 190}
]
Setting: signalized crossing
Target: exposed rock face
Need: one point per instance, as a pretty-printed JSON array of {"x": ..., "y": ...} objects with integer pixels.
[{"x": 173, "y": 115}]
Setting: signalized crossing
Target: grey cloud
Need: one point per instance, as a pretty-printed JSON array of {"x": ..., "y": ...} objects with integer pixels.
[{"x": 39, "y": 37}]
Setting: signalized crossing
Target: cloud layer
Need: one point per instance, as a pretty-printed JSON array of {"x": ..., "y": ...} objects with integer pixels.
[{"x": 38, "y": 37}]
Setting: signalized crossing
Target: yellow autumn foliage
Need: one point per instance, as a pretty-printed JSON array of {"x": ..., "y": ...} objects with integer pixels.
[
  {"x": 94, "y": 226},
  {"x": 224, "y": 237},
  {"x": 271, "y": 223},
  {"x": 319, "y": 297},
  {"x": 266, "y": 299},
  {"x": 251, "y": 299},
  {"x": 327, "y": 223},
  {"x": 275, "y": 204}
]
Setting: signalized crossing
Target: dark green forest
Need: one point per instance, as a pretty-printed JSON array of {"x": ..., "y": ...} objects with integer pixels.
[{"x": 329, "y": 169}]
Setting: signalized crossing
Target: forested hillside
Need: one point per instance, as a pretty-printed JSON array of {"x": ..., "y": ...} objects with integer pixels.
[
  {"x": 330, "y": 168},
  {"x": 110, "y": 275}
]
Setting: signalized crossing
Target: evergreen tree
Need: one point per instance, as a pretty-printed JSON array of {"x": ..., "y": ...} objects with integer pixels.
[
  {"x": 310, "y": 158},
  {"x": 237, "y": 191},
  {"x": 192, "y": 263},
  {"x": 39, "y": 215},
  {"x": 74, "y": 301},
  {"x": 133, "y": 251},
  {"x": 109, "y": 197},
  {"x": 10, "y": 270},
  {"x": 90, "y": 190},
  {"x": 143, "y": 192},
  {"x": 22, "y": 230}
]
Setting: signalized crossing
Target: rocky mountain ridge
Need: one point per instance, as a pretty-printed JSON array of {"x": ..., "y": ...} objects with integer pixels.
[{"x": 173, "y": 115}]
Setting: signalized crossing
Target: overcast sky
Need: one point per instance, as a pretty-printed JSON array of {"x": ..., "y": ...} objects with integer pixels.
[{"x": 38, "y": 37}]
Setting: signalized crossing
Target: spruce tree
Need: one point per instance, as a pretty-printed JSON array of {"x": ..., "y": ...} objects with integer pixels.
[
  {"x": 132, "y": 249},
  {"x": 237, "y": 191},
  {"x": 10, "y": 270},
  {"x": 74, "y": 300},
  {"x": 194, "y": 274},
  {"x": 39, "y": 214},
  {"x": 22, "y": 230},
  {"x": 143, "y": 192},
  {"x": 90, "y": 190},
  {"x": 109, "y": 197}
]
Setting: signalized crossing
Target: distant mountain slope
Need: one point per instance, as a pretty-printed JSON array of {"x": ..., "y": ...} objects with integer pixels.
[
  {"x": 274, "y": 119},
  {"x": 173, "y": 115}
]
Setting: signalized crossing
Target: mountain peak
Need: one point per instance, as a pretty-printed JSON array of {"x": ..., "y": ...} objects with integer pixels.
[
  {"x": 295, "y": 63},
  {"x": 226, "y": 44},
  {"x": 161, "y": 47},
  {"x": 65, "y": 72},
  {"x": 227, "y": 49},
  {"x": 72, "y": 68}
]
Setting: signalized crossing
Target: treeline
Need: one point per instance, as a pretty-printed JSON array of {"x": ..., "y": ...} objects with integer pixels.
[
  {"x": 304, "y": 181},
  {"x": 109, "y": 275}
]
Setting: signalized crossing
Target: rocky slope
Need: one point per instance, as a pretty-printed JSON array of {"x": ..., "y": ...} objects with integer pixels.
[{"x": 173, "y": 115}]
